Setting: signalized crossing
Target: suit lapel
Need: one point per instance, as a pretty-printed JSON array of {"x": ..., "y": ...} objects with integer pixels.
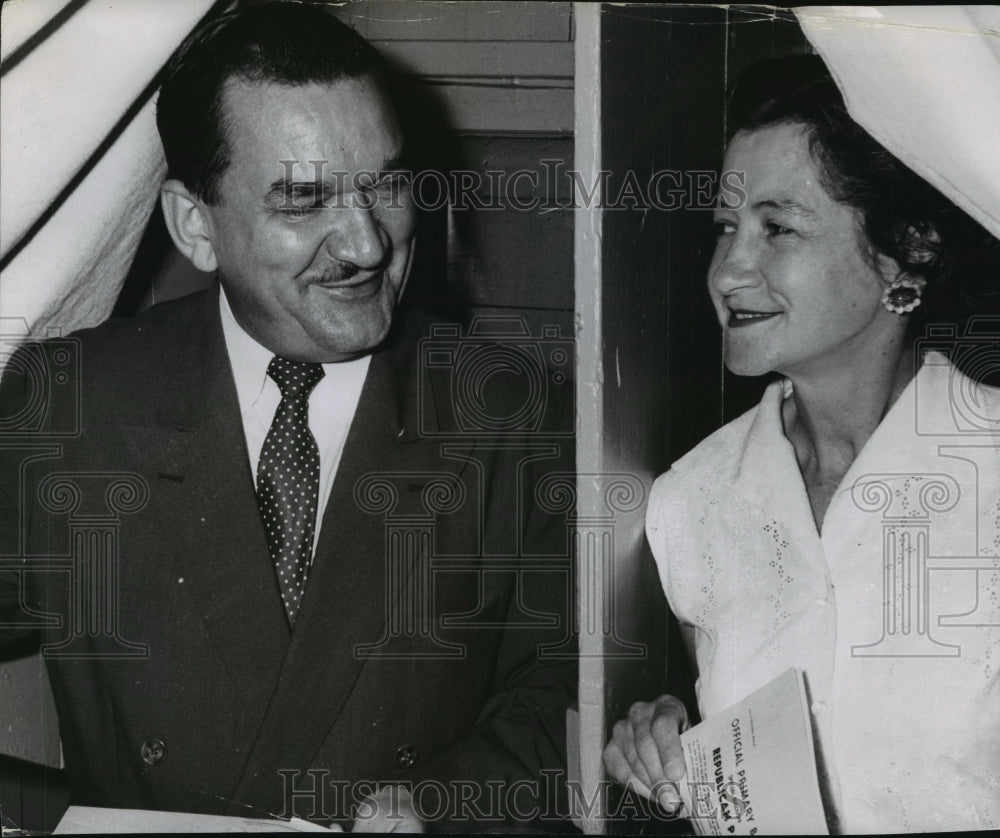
[
  {"x": 346, "y": 602},
  {"x": 195, "y": 455}
]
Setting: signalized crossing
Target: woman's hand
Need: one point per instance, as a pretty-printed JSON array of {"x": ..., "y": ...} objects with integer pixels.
[{"x": 645, "y": 750}]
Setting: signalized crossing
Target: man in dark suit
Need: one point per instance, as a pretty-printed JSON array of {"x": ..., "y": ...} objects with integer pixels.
[{"x": 270, "y": 570}]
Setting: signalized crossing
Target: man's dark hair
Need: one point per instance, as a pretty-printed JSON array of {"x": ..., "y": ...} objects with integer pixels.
[
  {"x": 902, "y": 216},
  {"x": 279, "y": 43}
]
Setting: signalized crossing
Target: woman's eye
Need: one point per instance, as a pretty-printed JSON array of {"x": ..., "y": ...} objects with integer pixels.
[{"x": 724, "y": 228}]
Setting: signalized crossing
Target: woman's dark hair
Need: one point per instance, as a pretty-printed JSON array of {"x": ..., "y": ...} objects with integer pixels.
[
  {"x": 902, "y": 216},
  {"x": 280, "y": 42}
]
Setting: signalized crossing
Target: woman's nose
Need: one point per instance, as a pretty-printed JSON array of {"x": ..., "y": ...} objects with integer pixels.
[{"x": 735, "y": 264}]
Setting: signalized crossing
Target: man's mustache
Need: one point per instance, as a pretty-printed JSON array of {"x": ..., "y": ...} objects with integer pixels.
[{"x": 344, "y": 272}]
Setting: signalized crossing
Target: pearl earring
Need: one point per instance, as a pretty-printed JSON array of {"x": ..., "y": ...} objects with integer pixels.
[{"x": 902, "y": 296}]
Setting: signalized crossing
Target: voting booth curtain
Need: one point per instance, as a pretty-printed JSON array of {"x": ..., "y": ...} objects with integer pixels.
[
  {"x": 925, "y": 82},
  {"x": 80, "y": 160}
]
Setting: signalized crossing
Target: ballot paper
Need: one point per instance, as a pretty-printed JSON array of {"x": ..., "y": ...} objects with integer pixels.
[
  {"x": 93, "y": 820},
  {"x": 752, "y": 768}
]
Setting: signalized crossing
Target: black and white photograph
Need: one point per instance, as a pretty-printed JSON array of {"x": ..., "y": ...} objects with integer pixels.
[{"x": 525, "y": 417}]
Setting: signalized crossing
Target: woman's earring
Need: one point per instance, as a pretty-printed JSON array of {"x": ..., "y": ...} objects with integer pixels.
[{"x": 903, "y": 295}]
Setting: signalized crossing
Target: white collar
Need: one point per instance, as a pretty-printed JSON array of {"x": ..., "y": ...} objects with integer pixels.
[
  {"x": 925, "y": 415},
  {"x": 248, "y": 359}
]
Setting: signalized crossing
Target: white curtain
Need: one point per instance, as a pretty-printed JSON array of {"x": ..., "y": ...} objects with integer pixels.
[
  {"x": 80, "y": 169},
  {"x": 80, "y": 158},
  {"x": 925, "y": 82}
]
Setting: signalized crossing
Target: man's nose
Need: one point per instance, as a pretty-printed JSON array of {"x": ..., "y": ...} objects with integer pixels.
[{"x": 358, "y": 238}]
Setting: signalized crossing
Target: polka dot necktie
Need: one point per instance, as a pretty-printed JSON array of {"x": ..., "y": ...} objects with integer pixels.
[{"x": 288, "y": 479}]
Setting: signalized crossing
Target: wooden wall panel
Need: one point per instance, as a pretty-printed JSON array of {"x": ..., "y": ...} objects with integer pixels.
[
  {"x": 440, "y": 20},
  {"x": 478, "y": 59},
  {"x": 652, "y": 384},
  {"x": 651, "y": 96}
]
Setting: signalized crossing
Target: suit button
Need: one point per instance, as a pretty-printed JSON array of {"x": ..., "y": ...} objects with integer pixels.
[
  {"x": 153, "y": 751},
  {"x": 406, "y": 756}
]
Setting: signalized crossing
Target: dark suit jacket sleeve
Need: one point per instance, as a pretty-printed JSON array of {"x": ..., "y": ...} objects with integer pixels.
[{"x": 512, "y": 768}]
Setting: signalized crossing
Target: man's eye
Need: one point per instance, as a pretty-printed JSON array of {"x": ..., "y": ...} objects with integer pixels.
[
  {"x": 394, "y": 180},
  {"x": 294, "y": 213},
  {"x": 724, "y": 228},
  {"x": 774, "y": 229}
]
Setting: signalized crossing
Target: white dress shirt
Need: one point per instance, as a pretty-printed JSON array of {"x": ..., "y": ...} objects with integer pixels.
[
  {"x": 892, "y": 612},
  {"x": 332, "y": 403}
]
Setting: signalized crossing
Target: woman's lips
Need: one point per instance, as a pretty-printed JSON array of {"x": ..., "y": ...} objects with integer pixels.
[{"x": 740, "y": 318}]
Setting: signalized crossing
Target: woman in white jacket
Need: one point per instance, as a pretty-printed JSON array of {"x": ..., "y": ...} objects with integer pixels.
[{"x": 849, "y": 525}]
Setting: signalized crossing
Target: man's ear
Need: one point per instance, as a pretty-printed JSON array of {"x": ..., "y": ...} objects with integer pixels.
[{"x": 189, "y": 225}]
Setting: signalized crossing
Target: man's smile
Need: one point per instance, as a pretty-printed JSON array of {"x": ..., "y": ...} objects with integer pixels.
[{"x": 355, "y": 288}]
